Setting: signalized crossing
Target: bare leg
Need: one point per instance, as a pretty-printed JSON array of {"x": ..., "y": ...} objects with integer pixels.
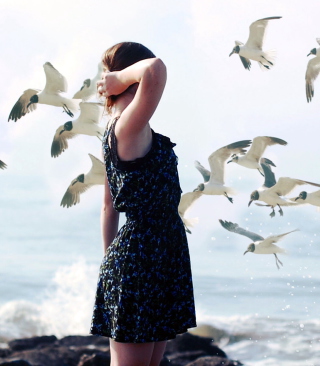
[
  {"x": 136, "y": 354},
  {"x": 229, "y": 198},
  {"x": 278, "y": 261},
  {"x": 280, "y": 210}
]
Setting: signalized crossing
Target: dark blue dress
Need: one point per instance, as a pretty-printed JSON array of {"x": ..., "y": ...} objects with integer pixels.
[{"x": 145, "y": 291}]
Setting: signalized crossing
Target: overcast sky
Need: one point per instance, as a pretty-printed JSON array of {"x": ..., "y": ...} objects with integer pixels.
[{"x": 210, "y": 99}]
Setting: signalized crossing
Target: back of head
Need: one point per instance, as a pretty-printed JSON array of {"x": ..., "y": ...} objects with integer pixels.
[{"x": 120, "y": 56}]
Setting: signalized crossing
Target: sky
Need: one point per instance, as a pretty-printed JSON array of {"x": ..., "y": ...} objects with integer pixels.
[{"x": 210, "y": 100}]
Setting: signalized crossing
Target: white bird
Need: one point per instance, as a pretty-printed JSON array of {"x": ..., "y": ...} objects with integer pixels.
[
  {"x": 260, "y": 245},
  {"x": 252, "y": 50},
  {"x": 253, "y": 157},
  {"x": 273, "y": 193},
  {"x": 89, "y": 87},
  {"x": 312, "y": 198},
  {"x": 2, "y": 165},
  {"x": 50, "y": 95},
  {"x": 186, "y": 201},
  {"x": 214, "y": 179},
  {"x": 312, "y": 72},
  {"x": 86, "y": 124},
  {"x": 95, "y": 176}
]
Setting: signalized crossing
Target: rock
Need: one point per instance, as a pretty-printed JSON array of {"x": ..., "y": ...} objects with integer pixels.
[
  {"x": 83, "y": 341},
  {"x": 97, "y": 359},
  {"x": 30, "y": 343},
  {"x": 214, "y": 361},
  {"x": 16, "y": 363},
  {"x": 187, "y": 342},
  {"x": 182, "y": 358}
]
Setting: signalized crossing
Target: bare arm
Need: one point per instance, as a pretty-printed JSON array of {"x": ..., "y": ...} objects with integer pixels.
[
  {"x": 151, "y": 76},
  {"x": 109, "y": 219}
]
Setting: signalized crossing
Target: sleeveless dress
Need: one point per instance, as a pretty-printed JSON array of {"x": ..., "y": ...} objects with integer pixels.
[{"x": 145, "y": 291}]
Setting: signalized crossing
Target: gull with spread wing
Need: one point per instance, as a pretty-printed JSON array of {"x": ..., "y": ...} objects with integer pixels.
[
  {"x": 89, "y": 87},
  {"x": 214, "y": 179},
  {"x": 79, "y": 185},
  {"x": 273, "y": 193},
  {"x": 252, "y": 158},
  {"x": 312, "y": 198},
  {"x": 86, "y": 124},
  {"x": 50, "y": 95},
  {"x": 312, "y": 72},
  {"x": 260, "y": 245},
  {"x": 252, "y": 50}
]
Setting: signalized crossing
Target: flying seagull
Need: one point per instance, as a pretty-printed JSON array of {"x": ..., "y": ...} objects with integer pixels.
[
  {"x": 252, "y": 50},
  {"x": 312, "y": 72},
  {"x": 313, "y": 198},
  {"x": 260, "y": 245},
  {"x": 273, "y": 193},
  {"x": 186, "y": 201},
  {"x": 214, "y": 179},
  {"x": 253, "y": 157},
  {"x": 95, "y": 176},
  {"x": 2, "y": 165},
  {"x": 86, "y": 124},
  {"x": 89, "y": 87},
  {"x": 51, "y": 95}
]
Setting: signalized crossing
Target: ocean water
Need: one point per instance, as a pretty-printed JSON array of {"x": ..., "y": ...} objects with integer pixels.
[{"x": 258, "y": 314}]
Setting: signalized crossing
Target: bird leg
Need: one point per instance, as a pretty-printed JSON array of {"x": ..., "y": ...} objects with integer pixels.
[
  {"x": 266, "y": 66},
  {"x": 187, "y": 229},
  {"x": 229, "y": 198},
  {"x": 67, "y": 110},
  {"x": 273, "y": 214},
  {"x": 280, "y": 211},
  {"x": 267, "y": 60},
  {"x": 278, "y": 261}
]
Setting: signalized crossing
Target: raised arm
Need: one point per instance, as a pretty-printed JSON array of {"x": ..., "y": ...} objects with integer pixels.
[{"x": 109, "y": 218}]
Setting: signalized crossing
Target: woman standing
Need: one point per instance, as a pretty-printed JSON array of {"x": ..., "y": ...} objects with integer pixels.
[{"x": 145, "y": 293}]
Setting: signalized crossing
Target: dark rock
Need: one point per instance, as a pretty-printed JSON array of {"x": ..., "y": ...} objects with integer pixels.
[
  {"x": 96, "y": 359},
  {"x": 4, "y": 352},
  {"x": 187, "y": 342},
  {"x": 214, "y": 361},
  {"x": 16, "y": 363},
  {"x": 83, "y": 341},
  {"x": 30, "y": 343},
  {"x": 182, "y": 358}
]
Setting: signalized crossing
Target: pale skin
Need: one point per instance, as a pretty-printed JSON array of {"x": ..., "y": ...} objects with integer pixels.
[{"x": 139, "y": 88}]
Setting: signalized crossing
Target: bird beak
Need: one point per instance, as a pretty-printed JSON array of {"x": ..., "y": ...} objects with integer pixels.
[
  {"x": 250, "y": 203},
  {"x": 231, "y": 53},
  {"x": 29, "y": 104},
  {"x": 308, "y": 54},
  {"x": 61, "y": 132},
  {"x": 196, "y": 190},
  {"x": 245, "y": 252},
  {"x": 297, "y": 198},
  {"x": 230, "y": 161}
]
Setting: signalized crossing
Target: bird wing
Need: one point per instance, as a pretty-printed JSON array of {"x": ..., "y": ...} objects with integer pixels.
[
  {"x": 2, "y": 165},
  {"x": 20, "y": 109},
  {"x": 285, "y": 185},
  {"x": 245, "y": 62},
  {"x": 187, "y": 200},
  {"x": 313, "y": 69},
  {"x": 257, "y": 32},
  {"x": 269, "y": 177},
  {"x": 235, "y": 228},
  {"x": 259, "y": 145},
  {"x": 204, "y": 172},
  {"x": 72, "y": 195},
  {"x": 218, "y": 158},
  {"x": 98, "y": 167},
  {"x": 274, "y": 238},
  {"x": 90, "y": 112},
  {"x": 55, "y": 82},
  {"x": 60, "y": 141}
]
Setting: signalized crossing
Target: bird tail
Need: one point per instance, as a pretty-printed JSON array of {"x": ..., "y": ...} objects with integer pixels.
[{"x": 268, "y": 59}]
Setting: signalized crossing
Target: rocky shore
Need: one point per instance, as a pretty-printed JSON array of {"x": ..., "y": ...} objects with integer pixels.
[{"x": 186, "y": 350}]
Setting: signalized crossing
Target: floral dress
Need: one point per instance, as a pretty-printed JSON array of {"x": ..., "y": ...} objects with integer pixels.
[{"x": 145, "y": 291}]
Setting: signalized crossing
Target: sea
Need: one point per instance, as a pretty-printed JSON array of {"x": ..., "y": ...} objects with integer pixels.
[{"x": 258, "y": 314}]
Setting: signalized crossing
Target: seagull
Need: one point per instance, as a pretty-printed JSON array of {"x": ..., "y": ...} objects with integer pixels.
[
  {"x": 260, "y": 245},
  {"x": 89, "y": 87},
  {"x": 214, "y": 180},
  {"x": 312, "y": 72},
  {"x": 95, "y": 176},
  {"x": 312, "y": 198},
  {"x": 186, "y": 201},
  {"x": 51, "y": 95},
  {"x": 273, "y": 193},
  {"x": 252, "y": 50},
  {"x": 86, "y": 124},
  {"x": 252, "y": 158},
  {"x": 2, "y": 165}
]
